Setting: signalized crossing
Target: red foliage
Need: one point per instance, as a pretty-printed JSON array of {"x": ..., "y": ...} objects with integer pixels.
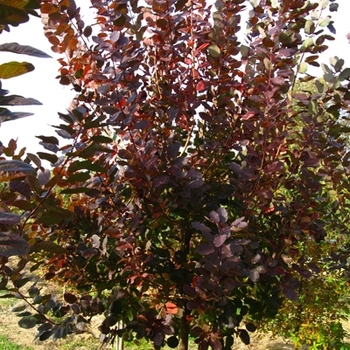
[{"x": 191, "y": 167}]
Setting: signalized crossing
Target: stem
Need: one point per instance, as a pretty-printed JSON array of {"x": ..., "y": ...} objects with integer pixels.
[
  {"x": 35, "y": 309},
  {"x": 184, "y": 331}
]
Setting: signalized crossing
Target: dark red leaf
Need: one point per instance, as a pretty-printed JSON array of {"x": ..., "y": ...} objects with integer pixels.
[
  {"x": 244, "y": 336},
  {"x": 70, "y": 298}
]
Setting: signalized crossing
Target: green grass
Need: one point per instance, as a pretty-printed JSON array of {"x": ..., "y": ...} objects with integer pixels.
[
  {"x": 6, "y": 344},
  {"x": 76, "y": 344}
]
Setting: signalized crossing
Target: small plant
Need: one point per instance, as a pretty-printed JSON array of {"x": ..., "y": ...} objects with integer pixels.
[{"x": 315, "y": 317}]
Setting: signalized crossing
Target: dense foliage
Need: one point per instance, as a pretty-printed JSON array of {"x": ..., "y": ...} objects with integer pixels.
[{"x": 194, "y": 171}]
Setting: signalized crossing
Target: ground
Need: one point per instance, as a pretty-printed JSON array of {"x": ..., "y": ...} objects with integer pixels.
[
  {"x": 89, "y": 341},
  {"x": 24, "y": 337}
]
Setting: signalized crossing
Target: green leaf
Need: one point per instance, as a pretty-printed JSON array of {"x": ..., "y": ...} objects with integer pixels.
[
  {"x": 79, "y": 177},
  {"x": 18, "y": 4},
  {"x": 50, "y": 218},
  {"x": 287, "y": 37},
  {"x": 11, "y": 13},
  {"x": 101, "y": 139},
  {"x": 214, "y": 50},
  {"x": 313, "y": 107},
  {"x": 19, "y": 308},
  {"x": 309, "y": 42},
  {"x": 75, "y": 190},
  {"x": 28, "y": 322},
  {"x": 24, "y": 313},
  {"x": 320, "y": 86},
  {"x": 254, "y": 3},
  {"x": 86, "y": 165},
  {"x": 23, "y": 50},
  {"x": 267, "y": 64},
  {"x": 120, "y": 21},
  {"x": 339, "y": 65},
  {"x": 303, "y": 67},
  {"x": 244, "y": 51},
  {"x": 49, "y": 247},
  {"x": 45, "y": 335},
  {"x": 14, "y": 69},
  {"x": 328, "y": 74},
  {"x": 324, "y": 22},
  {"x": 274, "y": 4},
  {"x": 52, "y": 158},
  {"x": 309, "y": 26},
  {"x": 7, "y": 296},
  {"x": 345, "y": 74},
  {"x": 324, "y": 4}
]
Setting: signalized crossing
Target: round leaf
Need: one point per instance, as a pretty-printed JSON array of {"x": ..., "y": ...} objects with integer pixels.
[
  {"x": 173, "y": 342},
  {"x": 27, "y": 322},
  {"x": 214, "y": 50},
  {"x": 14, "y": 69}
]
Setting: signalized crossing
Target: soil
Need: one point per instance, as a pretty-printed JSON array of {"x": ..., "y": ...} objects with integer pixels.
[{"x": 25, "y": 337}]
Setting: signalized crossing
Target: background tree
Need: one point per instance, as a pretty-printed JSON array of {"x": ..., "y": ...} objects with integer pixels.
[{"x": 193, "y": 174}]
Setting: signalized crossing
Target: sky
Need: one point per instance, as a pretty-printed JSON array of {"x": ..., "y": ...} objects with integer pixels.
[{"x": 42, "y": 85}]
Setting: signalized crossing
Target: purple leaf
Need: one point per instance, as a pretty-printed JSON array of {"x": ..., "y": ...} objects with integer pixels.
[
  {"x": 305, "y": 273},
  {"x": 158, "y": 338},
  {"x": 9, "y": 218},
  {"x": 274, "y": 167},
  {"x": 219, "y": 240},
  {"x": 290, "y": 293},
  {"x": 314, "y": 268},
  {"x": 254, "y": 275},
  {"x": 204, "y": 229},
  {"x": 96, "y": 241},
  {"x": 256, "y": 259},
  {"x": 21, "y": 187},
  {"x": 205, "y": 249},
  {"x": 214, "y": 217},
  {"x": 196, "y": 183},
  {"x": 189, "y": 291},
  {"x": 15, "y": 165},
  {"x": 222, "y": 214},
  {"x": 238, "y": 225},
  {"x": 243, "y": 334},
  {"x": 142, "y": 124},
  {"x": 312, "y": 162},
  {"x": 11, "y": 244}
]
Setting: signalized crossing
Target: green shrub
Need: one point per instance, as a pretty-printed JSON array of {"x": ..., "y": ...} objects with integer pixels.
[{"x": 315, "y": 318}]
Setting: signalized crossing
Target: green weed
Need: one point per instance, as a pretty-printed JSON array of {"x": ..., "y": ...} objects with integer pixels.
[{"x": 6, "y": 344}]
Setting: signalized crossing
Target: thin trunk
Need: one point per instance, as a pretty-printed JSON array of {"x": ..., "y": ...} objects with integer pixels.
[
  {"x": 184, "y": 332},
  {"x": 184, "y": 325}
]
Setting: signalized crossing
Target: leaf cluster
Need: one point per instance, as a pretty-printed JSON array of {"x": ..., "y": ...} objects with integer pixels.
[{"x": 195, "y": 169}]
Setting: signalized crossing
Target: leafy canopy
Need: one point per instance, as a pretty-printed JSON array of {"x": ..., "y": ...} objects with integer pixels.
[{"x": 192, "y": 171}]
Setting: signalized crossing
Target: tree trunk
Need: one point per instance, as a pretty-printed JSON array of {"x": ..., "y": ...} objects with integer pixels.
[
  {"x": 184, "y": 325},
  {"x": 184, "y": 332}
]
